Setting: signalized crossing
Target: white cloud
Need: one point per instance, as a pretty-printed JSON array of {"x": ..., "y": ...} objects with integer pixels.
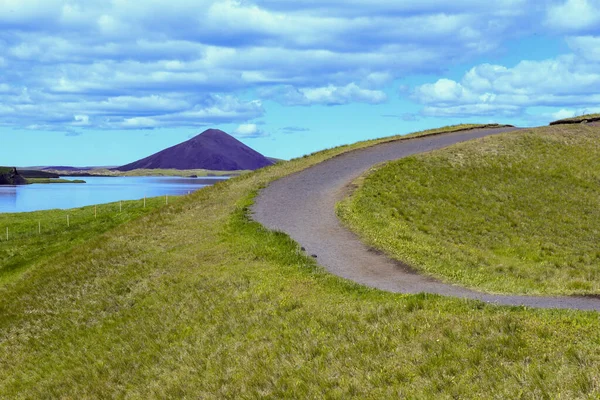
[
  {"x": 41, "y": 111},
  {"x": 444, "y": 91},
  {"x": 575, "y": 15},
  {"x": 81, "y": 120},
  {"x": 139, "y": 123},
  {"x": 248, "y": 131},
  {"x": 562, "y": 114},
  {"x": 486, "y": 89},
  {"x": 350, "y": 93},
  {"x": 156, "y": 63}
]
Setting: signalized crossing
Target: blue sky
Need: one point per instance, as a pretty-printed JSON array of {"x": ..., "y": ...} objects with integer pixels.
[{"x": 99, "y": 82}]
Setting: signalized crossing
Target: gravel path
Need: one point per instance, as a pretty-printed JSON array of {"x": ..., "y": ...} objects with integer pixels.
[{"x": 303, "y": 206}]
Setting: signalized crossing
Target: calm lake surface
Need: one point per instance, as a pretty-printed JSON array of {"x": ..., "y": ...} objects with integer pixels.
[{"x": 96, "y": 190}]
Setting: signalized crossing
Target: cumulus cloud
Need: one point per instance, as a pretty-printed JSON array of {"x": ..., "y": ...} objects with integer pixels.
[
  {"x": 127, "y": 64},
  {"x": 575, "y": 15},
  {"x": 563, "y": 114},
  {"x": 248, "y": 131},
  {"x": 35, "y": 110},
  {"x": 81, "y": 120},
  {"x": 565, "y": 81},
  {"x": 442, "y": 92}
]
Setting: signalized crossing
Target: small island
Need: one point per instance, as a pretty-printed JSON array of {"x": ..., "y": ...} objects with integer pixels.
[
  {"x": 53, "y": 180},
  {"x": 11, "y": 176}
]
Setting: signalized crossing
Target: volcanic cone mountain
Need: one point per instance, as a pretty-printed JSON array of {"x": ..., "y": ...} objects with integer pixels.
[{"x": 213, "y": 149}]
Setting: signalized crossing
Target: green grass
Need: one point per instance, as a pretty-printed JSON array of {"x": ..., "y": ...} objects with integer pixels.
[
  {"x": 53, "y": 180},
  {"x": 194, "y": 300},
  {"x": 38, "y": 235},
  {"x": 574, "y": 120},
  {"x": 515, "y": 213}
]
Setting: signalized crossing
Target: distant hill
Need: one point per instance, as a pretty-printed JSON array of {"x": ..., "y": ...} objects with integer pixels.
[
  {"x": 65, "y": 168},
  {"x": 213, "y": 149},
  {"x": 62, "y": 168},
  {"x": 29, "y": 173}
]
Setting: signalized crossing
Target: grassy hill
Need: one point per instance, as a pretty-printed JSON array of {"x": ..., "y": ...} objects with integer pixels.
[
  {"x": 37, "y": 235},
  {"x": 515, "y": 213},
  {"x": 577, "y": 120},
  {"x": 195, "y": 300}
]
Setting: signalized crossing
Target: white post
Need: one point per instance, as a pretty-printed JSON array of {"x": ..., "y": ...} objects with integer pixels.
[
  {"x": 166, "y": 199},
  {"x": 120, "y": 205},
  {"x": 144, "y": 201},
  {"x": 68, "y": 223},
  {"x": 7, "y": 233},
  {"x": 39, "y": 227}
]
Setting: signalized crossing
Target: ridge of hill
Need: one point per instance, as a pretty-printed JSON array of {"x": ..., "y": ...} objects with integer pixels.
[{"x": 582, "y": 119}]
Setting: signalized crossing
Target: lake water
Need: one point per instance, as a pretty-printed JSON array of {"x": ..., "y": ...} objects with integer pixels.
[{"x": 96, "y": 190}]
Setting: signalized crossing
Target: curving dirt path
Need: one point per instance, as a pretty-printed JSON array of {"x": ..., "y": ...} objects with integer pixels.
[{"x": 303, "y": 206}]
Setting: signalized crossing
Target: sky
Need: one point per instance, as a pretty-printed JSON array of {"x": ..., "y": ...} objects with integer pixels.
[{"x": 106, "y": 82}]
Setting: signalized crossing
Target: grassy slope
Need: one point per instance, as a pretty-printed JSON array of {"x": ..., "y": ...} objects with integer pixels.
[
  {"x": 197, "y": 301},
  {"x": 41, "y": 234},
  {"x": 587, "y": 117},
  {"x": 516, "y": 213}
]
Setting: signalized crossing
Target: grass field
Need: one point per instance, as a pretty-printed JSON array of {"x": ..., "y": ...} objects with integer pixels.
[
  {"x": 37, "y": 235},
  {"x": 194, "y": 300},
  {"x": 516, "y": 213}
]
